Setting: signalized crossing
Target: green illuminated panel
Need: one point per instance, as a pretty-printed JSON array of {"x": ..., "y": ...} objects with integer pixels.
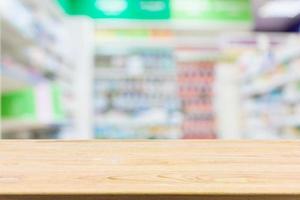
[
  {"x": 24, "y": 103},
  {"x": 18, "y": 104},
  {"x": 212, "y": 10},
  {"x": 199, "y": 10},
  {"x": 119, "y": 9}
]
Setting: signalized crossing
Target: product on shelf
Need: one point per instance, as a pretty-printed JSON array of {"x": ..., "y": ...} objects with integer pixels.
[
  {"x": 34, "y": 52},
  {"x": 195, "y": 80},
  {"x": 40, "y": 103},
  {"x": 136, "y": 94},
  {"x": 32, "y": 112},
  {"x": 270, "y": 92}
]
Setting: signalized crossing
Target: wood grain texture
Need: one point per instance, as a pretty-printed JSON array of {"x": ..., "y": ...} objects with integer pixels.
[
  {"x": 151, "y": 197},
  {"x": 172, "y": 167}
]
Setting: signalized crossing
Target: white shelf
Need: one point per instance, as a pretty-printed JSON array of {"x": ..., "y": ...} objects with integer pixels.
[
  {"x": 174, "y": 25},
  {"x": 13, "y": 35},
  {"x": 167, "y": 42},
  {"x": 16, "y": 77},
  {"x": 19, "y": 125},
  {"x": 14, "y": 42},
  {"x": 277, "y": 117},
  {"x": 105, "y": 74},
  {"x": 9, "y": 83},
  {"x": 260, "y": 89},
  {"x": 292, "y": 121},
  {"x": 48, "y": 5},
  {"x": 128, "y": 42},
  {"x": 33, "y": 48}
]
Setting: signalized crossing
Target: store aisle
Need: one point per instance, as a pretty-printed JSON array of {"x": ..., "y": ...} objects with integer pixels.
[{"x": 158, "y": 69}]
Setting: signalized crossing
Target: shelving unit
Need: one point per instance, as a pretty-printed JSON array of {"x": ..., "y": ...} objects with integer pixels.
[
  {"x": 196, "y": 83},
  {"x": 29, "y": 129},
  {"x": 271, "y": 90},
  {"x": 156, "y": 82},
  {"x": 147, "y": 75},
  {"x": 33, "y": 54},
  {"x": 135, "y": 92}
]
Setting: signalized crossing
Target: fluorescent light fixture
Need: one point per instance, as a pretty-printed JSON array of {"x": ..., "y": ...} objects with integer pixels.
[
  {"x": 111, "y": 7},
  {"x": 280, "y": 9}
]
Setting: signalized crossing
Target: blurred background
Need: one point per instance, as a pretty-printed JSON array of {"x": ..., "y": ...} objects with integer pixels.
[{"x": 150, "y": 69}]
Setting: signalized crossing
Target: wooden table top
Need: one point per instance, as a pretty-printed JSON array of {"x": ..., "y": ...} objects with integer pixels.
[{"x": 152, "y": 167}]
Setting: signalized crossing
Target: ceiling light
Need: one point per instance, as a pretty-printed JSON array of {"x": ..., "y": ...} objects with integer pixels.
[
  {"x": 280, "y": 9},
  {"x": 111, "y": 7}
]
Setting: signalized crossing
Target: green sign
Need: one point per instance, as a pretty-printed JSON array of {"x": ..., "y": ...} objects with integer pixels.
[
  {"x": 23, "y": 103},
  {"x": 20, "y": 104},
  {"x": 198, "y": 10},
  {"x": 118, "y": 9},
  {"x": 150, "y": 9},
  {"x": 211, "y": 10}
]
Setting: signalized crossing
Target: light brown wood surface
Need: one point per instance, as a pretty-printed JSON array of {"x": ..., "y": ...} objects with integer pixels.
[{"x": 168, "y": 167}]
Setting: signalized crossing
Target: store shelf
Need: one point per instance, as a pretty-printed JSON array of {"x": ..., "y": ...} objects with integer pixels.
[
  {"x": 30, "y": 37},
  {"x": 8, "y": 83},
  {"x": 17, "y": 77},
  {"x": 291, "y": 121},
  {"x": 34, "y": 56},
  {"x": 154, "y": 117},
  {"x": 17, "y": 38},
  {"x": 19, "y": 125},
  {"x": 269, "y": 89},
  {"x": 121, "y": 74},
  {"x": 150, "y": 170},
  {"x": 269, "y": 86},
  {"x": 13, "y": 35},
  {"x": 170, "y": 41},
  {"x": 137, "y": 42},
  {"x": 46, "y": 5},
  {"x": 174, "y": 25},
  {"x": 17, "y": 46},
  {"x": 135, "y": 92}
]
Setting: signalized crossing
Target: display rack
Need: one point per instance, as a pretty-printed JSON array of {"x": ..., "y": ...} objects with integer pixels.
[
  {"x": 162, "y": 60},
  {"x": 196, "y": 82},
  {"x": 271, "y": 91},
  {"x": 136, "y": 93},
  {"x": 34, "y": 53}
]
